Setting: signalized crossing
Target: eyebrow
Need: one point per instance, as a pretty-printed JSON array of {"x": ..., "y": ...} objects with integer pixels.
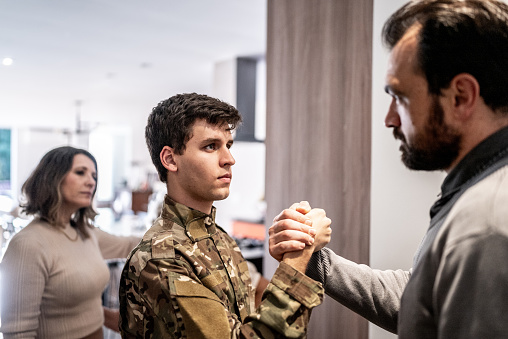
[
  {"x": 393, "y": 91},
  {"x": 85, "y": 168},
  {"x": 210, "y": 140}
]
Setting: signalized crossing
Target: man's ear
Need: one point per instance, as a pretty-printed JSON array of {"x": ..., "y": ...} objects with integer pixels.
[
  {"x": 167, "y": 157},
  {"x": 465, "y": 90}
]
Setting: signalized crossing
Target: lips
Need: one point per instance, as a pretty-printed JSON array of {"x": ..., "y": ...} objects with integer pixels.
[{"x": 226, "y": 177}]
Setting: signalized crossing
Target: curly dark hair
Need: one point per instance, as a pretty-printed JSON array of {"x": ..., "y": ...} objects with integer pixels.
[
  {"x": 170, "y": 123},
  {"x": 469, "y": 36},
  {"x": 42, "y": 192}
]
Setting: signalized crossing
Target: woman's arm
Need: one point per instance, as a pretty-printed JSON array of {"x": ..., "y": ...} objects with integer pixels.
[
  {"x": 111, "y": 317},
  {"x": 24, "y": 275},
  {"x": 114, "y": 246}
]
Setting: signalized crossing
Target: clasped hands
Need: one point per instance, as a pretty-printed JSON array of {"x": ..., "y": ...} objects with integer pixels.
[{"x": 299, "y": 228}]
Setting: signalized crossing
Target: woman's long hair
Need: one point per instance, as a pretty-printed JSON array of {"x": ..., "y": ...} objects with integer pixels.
[{"x": 42, "y": 191}]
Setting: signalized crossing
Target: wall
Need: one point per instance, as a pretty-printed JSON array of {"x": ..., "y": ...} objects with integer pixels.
[
  {"x": 318, "y": 136},
  {"x": 247, "y": 194},
  {"x": 28, "y": 147},
  {"x": 400, "y": 199}
]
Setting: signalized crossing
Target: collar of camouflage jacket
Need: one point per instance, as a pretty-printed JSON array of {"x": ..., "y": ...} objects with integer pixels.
[{"x": 197, "y": 225}]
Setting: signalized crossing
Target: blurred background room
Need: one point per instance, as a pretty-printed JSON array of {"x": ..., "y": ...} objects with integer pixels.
[{"x": 87, "y": 74}]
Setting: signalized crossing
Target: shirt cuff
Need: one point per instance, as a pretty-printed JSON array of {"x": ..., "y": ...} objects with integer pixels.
[
  {"x": 299, "y": 286},
  {"x": 315, "y": 269}
]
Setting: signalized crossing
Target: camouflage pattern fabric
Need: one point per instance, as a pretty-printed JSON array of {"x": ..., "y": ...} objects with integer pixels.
[{"x": 188, "y": 279}]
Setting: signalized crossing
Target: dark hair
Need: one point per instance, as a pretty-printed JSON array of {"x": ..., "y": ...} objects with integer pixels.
[
  {"x": 170, "y": 123},
  {"x": 42, "y": 192},
  {"x": 469, "y": 36}
]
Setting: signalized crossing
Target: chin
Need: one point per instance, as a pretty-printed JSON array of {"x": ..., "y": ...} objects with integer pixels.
[
  {"x": 85, "y": 205},
  {"x": 221, "y": 195}
]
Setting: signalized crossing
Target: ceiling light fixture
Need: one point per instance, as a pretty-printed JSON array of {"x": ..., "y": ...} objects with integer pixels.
[{"x": 7, "y": 61}]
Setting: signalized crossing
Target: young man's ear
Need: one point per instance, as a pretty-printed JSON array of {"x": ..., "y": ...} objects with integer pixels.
[{"x": 167, "y": 157}]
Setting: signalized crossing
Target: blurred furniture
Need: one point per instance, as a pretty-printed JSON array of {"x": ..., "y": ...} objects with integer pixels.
[
  {"x": 250, "y": 238},
  {"x": 140, "y": 201}
]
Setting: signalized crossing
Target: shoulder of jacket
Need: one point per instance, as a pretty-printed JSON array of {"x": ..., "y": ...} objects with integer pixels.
[{"x": 163, "y": 246}]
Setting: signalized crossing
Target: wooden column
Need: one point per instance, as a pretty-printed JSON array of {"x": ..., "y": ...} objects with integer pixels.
[{"x": 318, "y": 138}]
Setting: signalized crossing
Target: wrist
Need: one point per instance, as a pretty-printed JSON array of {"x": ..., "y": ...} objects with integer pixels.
[{"x": 298, "y": 260}]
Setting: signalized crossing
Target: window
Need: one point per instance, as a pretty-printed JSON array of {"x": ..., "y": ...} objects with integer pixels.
[{"x": 5, "y": 159}]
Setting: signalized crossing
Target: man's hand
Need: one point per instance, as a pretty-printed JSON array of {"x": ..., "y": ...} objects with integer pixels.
[
  {"x": 321, "y": 223},
  {"x": 294, "y": 229}
]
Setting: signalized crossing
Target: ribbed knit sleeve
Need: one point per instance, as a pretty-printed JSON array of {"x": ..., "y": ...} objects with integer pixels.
[
  {"x": 114, "y": 246},
  {"x": 24, "y": 271}
]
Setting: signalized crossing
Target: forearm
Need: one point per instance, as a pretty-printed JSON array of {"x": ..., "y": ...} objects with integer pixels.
[
  {"x": 111, "y": 318},
  {"x": 373, "y": 294},
  {"x": 286, "y": 305},
  {"x": 260, "y": 289},
  {"x": 298, "y": 260}
]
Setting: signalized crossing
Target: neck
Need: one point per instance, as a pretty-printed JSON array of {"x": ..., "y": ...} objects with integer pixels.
[
  {"x": 475, "y": 133},
  {"x": 202, "y": 206},
  {"x": 65, "y": 216},
  {"x": 65, "y": 222}
]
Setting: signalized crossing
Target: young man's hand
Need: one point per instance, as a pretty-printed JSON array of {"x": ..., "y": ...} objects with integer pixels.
[{"x": 297, "y": 232}]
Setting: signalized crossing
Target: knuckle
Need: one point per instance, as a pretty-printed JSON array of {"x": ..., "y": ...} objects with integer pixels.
[
  {"x": 285, "y": 235},
  {"x": 277, "y": 217},
  {"x": 271, "y": 230},
  {"x": 285, "y": 247}
]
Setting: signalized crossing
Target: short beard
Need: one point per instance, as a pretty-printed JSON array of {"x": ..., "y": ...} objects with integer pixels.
[{"x": 435, "y": 148}]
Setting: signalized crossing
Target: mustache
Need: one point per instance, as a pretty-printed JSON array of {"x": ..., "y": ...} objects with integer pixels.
[{"x": 397, "y": 134}]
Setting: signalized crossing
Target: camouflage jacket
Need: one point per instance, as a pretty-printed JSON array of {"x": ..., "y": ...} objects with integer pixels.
[{"x": 187, "y": 279}]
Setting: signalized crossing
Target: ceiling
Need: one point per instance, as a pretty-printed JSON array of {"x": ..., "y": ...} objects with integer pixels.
[{"x": 117, "y": 58}]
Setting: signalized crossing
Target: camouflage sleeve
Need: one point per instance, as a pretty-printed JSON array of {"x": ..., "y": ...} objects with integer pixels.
[
  {"x": 168, "y": 301},
  {"x": 285, "y": 309},
  {"x": 192, "y": 310}
]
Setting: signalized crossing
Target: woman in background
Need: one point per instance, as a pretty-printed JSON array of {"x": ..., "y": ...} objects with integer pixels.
[{"x": 53, "y": 271}]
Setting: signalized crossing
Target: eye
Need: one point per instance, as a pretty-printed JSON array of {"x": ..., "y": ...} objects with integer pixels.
[
  {"x": 210, "y": 147},
  {"x": 80, "y": 172}
]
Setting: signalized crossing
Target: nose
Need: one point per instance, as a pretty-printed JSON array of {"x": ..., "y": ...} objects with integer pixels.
[
  {"x": 392, "y": 118},
  {"x": 227, "y": 158},
  {"x": 90, "y": 181}
]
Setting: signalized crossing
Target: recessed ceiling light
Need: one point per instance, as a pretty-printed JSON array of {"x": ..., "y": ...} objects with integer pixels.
[{"x": 7, "y": 61}]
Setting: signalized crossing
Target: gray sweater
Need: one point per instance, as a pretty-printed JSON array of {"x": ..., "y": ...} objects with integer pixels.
[
  {"x": 458, "y": 287},
  {"x": 458, "y": 290}
]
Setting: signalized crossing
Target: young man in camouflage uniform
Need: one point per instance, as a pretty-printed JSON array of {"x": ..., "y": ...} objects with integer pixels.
[{"x": 187, "y": 277}]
